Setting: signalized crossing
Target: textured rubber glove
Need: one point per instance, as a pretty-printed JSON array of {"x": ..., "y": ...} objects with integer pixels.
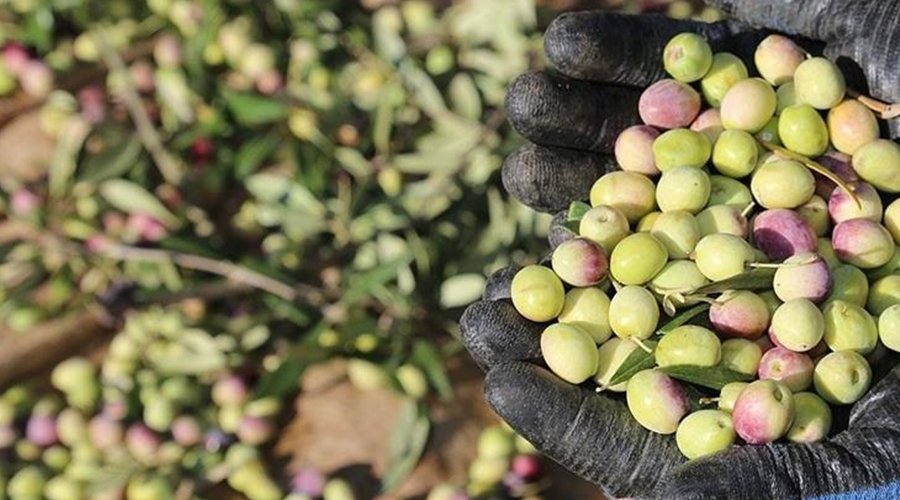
[{"x": 571, "y": 121}]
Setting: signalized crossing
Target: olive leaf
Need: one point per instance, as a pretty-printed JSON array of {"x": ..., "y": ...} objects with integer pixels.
[
  {"x": 576, "y": 212},
  {"x": 754, "y": 279},
  {"x": 132, "y": 198},
  {"x": 251, "y": 109},
  {"x": 253, "y": 153},
  {"x": 638, "y": 360},
  {"x": 682, "y": 319},
  {"x": 406, "y": 445},
  {"x": 429, "y": 359},
  {"x": 713, "y": 377}
]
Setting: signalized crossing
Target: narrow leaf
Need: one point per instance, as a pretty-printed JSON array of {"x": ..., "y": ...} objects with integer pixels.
[
  {"x": 429, "y": 358},
  {"x": 755, "y": 279},
  {"x": 253, "y": 153},
  {"x": 682, "y": 318},
  {"x": 285, "y": 380},
  {"x": 461, "y": 290},
  {"x": 638, "y": 360},
  {"x": 406, "y": 445},
  {"x": 363, "y": 284},
  {"x": 353, "y": 161},
  {"x": 577, "y": 210},
  {"x": 464, "y": 96},
  {"x": 112, "y": 162},
  {"x": 132, "y": 198},
  {"x": 65, "y": 159},
  {"x": 714, "y": 377},
  {"x": 251, "y": 109}
]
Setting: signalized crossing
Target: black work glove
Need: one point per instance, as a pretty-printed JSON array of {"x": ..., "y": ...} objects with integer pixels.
[{"x": 571, "y": 121}]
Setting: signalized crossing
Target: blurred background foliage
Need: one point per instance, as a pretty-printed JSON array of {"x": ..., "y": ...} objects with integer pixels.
[{"x": 252, "y": 187}]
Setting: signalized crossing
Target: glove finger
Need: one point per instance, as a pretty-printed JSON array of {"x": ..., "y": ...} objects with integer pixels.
[
  {"x": 591, "y": 435},
  {"x": 558, "y": 232},
  {"x": 617, "y": 48},
  {"x": 499, "y": 283},
  {"x": 494, "y": 332},
  {"x": 853, "y": 461},
  {"x": 880, "y": 407},
  {"x": 547, "y": 179},
  {"x": 553, "y": 110},
  {"x": 824, "y": 20}
]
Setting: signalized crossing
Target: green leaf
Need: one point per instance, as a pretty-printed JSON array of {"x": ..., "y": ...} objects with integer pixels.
[
  {"x": 285, "y": 380},
  {"x": 353, "y": 161},
  {"x": 194, "y": 353},
  {"x": 132, "y": 198},
  {"x": 112, "y": 162},
  {"x": 682, "y": 318},
  {"x": 464, "y": 96},
  {"x": 252, "y": 109},
  {"x": 461, "y": 290},
  {"x": 755, "y": 279},
  {"x": 714, "y": 377},
  {"x": 406, "y": 445},
  {"x": 425, "y": 92},
  {"x": 638, "y": 360},
  {"x": 363, "y": 284},
  {"x": 577, "y": 210},
  {"x": 253, "y": 153},
  {"x": 70, "y": 141},
  {"x": 386, "y": 25},
  {"x": 267, "y": 187},
  {"x": 255, "y": 337},
  {"x": 427, "y": 356}
]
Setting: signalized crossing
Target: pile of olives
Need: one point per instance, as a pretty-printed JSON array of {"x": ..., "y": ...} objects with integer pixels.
[{"x": 749, "y": 248}]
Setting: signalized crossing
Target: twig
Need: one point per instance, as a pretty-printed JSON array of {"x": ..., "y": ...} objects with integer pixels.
[
  {"x": 208, "y": 291},
  {"x": 886, "y": 111},
  {"x": 233, "y": 272},
  {"x": 170, "y": 168}
]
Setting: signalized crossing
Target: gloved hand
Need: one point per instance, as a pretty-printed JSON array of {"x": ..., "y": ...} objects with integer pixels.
[{"x": 571, "y": 121}]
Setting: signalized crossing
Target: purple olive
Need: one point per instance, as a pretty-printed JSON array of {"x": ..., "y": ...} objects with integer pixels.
[{"x": 781, "y": 233}]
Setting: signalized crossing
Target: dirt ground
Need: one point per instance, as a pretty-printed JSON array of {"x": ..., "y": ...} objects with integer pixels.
[{"x": 338, "y": 428}]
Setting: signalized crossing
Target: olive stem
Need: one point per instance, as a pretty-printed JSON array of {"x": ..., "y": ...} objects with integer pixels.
[
  {"x": 887, "y": 111},
  {"x": 640, "y": 343},
  {"x": 703, "y": 298},
  {"x": 749, "y": 208},
  {"x": 769, "y": 265}
]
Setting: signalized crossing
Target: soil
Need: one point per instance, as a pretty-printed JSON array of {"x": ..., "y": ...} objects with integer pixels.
[{"x": 344, "y": 431}]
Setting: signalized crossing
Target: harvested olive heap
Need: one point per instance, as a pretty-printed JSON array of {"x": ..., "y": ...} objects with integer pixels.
[{"x": 743, "y": 263}]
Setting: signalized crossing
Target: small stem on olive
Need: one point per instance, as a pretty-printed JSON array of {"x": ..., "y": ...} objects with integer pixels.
[
  {"x": 640, "y": 343},
  {"x": 749, "y": 208}
]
